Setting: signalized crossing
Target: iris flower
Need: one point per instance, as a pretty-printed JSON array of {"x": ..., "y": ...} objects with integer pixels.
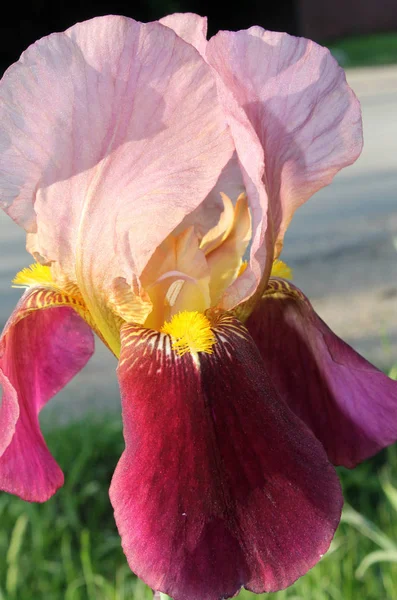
[{"x": 155, "y": 174}]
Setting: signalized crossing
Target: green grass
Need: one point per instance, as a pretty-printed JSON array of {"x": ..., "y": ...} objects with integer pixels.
[
  {"x": 366, "y": 50},
  {"x": 69, "y": 549}
]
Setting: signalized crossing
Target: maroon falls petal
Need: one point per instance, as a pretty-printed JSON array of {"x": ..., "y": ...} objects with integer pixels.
[
  {"x": 349, "y": 405},
  {"x": 220, "y": 484}
]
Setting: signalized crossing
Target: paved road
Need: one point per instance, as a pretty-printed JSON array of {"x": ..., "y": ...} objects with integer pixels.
[
  {"x": 342, "y": 245},
  {"x": 343, "y": 242}
]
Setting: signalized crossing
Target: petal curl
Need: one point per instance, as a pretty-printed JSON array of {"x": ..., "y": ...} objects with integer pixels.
[
  {"x": 110, "y": 128},
  {"x": 220, "y": 485},
  {"x": 40, "y": 351},
  {"x": 289, "y": 95},
  {"x": 349, "y": 405},
  {"x": 226, "y": 260},
  {"x": 190, "y": 27},
  {"x": 207, "y": 215}
]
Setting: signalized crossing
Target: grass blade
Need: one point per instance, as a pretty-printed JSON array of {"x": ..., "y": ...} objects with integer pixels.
[
  {"x": 367, "y": 528},
  {"x": 373, "y": 558}
]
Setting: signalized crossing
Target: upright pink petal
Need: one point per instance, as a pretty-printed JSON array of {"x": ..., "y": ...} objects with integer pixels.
[
  {"x": 348, "y": 404},
  {"x": 220, "y": 485},
  {"x": 290, "y": 95},
  {"x": 39, "y": 354},
  {"x": 190, "y": 27},
  {"x": 109, "y": 130}
]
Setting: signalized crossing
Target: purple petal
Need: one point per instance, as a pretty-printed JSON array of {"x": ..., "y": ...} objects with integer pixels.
[
  {"x": 220, "y": 485},
  {"x": 349, "y": 405}
]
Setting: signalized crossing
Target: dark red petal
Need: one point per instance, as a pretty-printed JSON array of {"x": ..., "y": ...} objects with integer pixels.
[
  {"x": 39, "y": 354},
  {"x": 349, "y": 404},
  {"x": 220, "y": 485}
]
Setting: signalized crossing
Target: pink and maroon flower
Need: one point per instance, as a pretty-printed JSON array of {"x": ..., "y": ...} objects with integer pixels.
[{"x": 155, "y": 174}]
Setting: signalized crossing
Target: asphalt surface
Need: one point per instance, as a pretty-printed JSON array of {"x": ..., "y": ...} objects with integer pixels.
[
  {"x": 342, "y": 245},
  {"x": 343, "y": 242}
]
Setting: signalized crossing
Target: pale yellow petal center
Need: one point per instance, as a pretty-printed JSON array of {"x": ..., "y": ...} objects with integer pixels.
[{"x": 189, "y": 273}]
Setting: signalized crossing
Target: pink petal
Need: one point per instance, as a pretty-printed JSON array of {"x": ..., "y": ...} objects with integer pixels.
[
  {"x": 349, "y": 405},
  {"x": 190, "y": 27},
  {"x": 288, "y": 96},
  {"x": 39, "y": 354},
  {"x": 9, "y": 412},
  {"x": 110, "y": 129},
  {"x": 220, "y": 485}
]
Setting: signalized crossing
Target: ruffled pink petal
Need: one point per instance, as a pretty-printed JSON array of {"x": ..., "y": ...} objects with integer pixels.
[
  {"x": 220, "y": 485},
  {"x": 39, "y": 354},
  {"x": 110, "y": 129},
  {"x": 190, "y": 27},
  {"x": 349, "y": 405},
  {"x": 288, "y": 96}
]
